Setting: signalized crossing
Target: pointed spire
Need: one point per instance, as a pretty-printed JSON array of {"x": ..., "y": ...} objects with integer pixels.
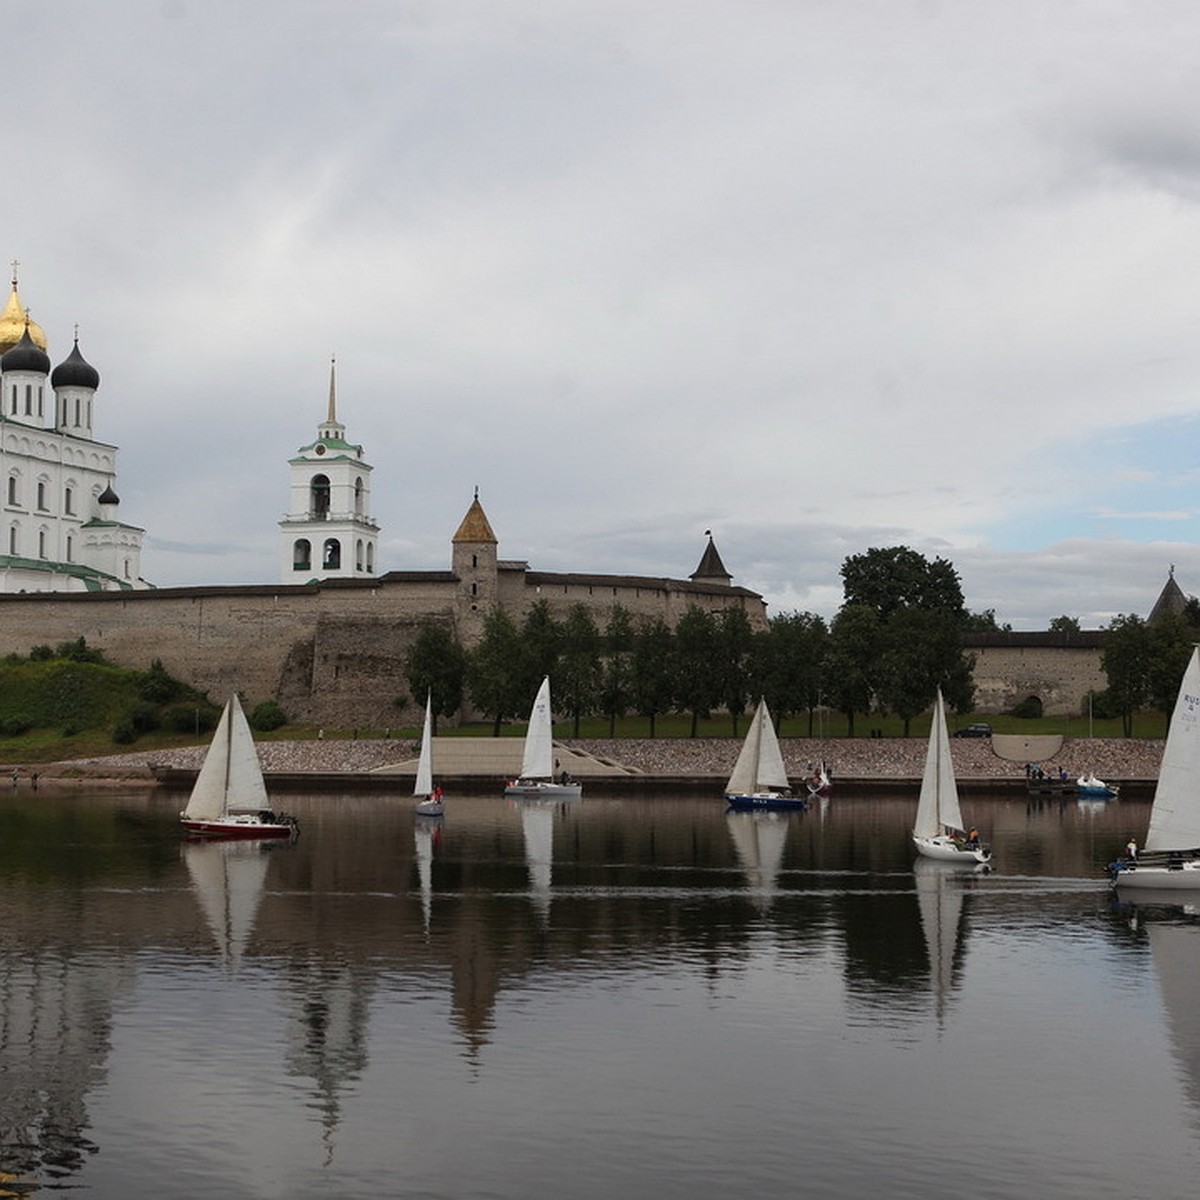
[
  {"x": 711, "y": 567},
  {"x": 475, "y": 526},
  {"x": 332, "y": 418}
]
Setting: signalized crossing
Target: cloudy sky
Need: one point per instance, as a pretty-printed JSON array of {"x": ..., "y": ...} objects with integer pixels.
[{"x": 818, "y": 275}]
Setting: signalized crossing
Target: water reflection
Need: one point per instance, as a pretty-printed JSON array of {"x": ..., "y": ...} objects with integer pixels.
[
  {"x": 229, "y": 878},
  {"x": 759, "y": 839},
  {"x": 941, "y": 897},
  {"x": 565, "y": 993}
]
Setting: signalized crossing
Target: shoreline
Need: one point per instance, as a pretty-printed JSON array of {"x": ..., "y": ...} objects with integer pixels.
[{"x": 633, "y": 764}]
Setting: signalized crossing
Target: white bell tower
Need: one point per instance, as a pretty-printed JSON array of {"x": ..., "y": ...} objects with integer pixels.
[{"x": 329, "y": 532}]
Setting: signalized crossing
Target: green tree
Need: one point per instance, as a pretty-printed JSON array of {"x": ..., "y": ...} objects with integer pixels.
[
  {"x": 922, "y": 651},
  {"x": 697, "y": 669},
  {"x": 984, "y": 622},
  {"x": 735, "y": 642},
  {"x": 436, "y": 666},
  {"x": 616, "y": 675},
  {"x": 579, "y": 671},
  {"x": 1065, "y": 624},
  {"x": 1171, "y": 640},
  {"x": 1126, "y": 663},
  {"x": 789, "y": 664},
  {"x": 855, "y": 644},
  {"x": 653, "y": 676},
  {"x": 541, "y": 645},
  {"x": 494, "y": 680},
  {"x": 887, "y": 579}
]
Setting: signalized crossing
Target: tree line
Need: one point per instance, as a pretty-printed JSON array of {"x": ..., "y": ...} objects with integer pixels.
[{"x": 896, "y": 638}]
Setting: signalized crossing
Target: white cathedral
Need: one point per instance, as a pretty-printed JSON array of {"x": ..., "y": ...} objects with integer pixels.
[{"x": 61, "y": 531}]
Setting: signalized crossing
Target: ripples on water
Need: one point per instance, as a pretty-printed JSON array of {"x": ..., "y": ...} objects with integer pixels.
[{"x": 618, "y": 998}]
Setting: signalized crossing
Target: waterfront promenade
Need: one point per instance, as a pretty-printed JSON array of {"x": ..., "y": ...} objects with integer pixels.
[{"x": 634, "y": 762}]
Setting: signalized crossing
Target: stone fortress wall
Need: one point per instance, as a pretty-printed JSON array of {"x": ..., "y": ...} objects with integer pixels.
[{"x": 333, "y": 653}]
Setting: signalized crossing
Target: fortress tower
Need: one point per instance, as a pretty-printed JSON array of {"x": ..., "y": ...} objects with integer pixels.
[{"x": 329, "y": 532}]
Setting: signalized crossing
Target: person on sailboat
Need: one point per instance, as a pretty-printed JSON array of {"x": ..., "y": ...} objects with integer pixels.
[
  {"x": 973, "y": 838},
  {"x": 1131, "y": 848}
]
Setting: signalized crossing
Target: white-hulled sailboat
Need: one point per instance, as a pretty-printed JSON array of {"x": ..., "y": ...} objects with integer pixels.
[
  {"x": 429, "y": 798},
  {"x": 229, "y": 797},
  {"x": 759, "y": 779},
  {"x": 938, "y": 830},
  {"x": 1170, "y": 858},
  {"x": 537, "y": 781}
]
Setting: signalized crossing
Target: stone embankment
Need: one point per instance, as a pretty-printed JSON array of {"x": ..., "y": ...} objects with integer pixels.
[{"x": 1114, "y": 759}]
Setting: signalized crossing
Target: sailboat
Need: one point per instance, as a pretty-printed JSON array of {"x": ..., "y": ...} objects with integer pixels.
[
  {"x": 759, "y": 779},
  {"x": 229, "y": 798},
  {"x": 1170, "y": 858},
  {"x": 938, "y": 829},
  {"x": 536, "y": 781},
  {"x": 429, "y": 798}
]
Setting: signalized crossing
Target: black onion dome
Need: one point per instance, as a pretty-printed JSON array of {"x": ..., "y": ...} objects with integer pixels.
[
  {"x": 75, "y": 371},
  {"x": 26, "y": 355},
  {"x": 108, "y": 496}
]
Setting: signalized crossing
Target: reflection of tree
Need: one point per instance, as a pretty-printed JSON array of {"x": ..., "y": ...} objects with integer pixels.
[
  {"x": 55, "y": 1019},
  {"x": 886, "y": 960},
  {"x": 326, "y": 1031}
]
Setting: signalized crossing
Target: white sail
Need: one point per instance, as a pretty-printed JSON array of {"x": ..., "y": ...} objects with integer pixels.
[
  {"x": 424, "y": 782},
  {"x": 229, "y": 878},
  {"x": 230, "y": 779},
  {"x": 937, "y": 809},
  {"x": 538, "y": 761},
  {"x": 759, "y": 766},
  {"x": 1175, "y": 813}
]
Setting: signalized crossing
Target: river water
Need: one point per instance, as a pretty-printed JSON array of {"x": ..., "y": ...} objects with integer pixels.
[{"x": 626, "y": 997}]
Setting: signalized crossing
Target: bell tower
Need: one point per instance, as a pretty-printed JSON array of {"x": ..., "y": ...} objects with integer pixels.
[{"x": 329, "y": 532}]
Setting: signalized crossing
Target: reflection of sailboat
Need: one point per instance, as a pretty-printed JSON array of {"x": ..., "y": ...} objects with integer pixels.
[
  {"x": 938, "y": 828},
  {"x": 537, "y": 780},
  {"x": 229, "y": 878},
  {"x": 426, "y": 830},
  {"x": 1171, "y": 856},
  {"x": 537, "y": 825},
  {"x": 940, "y": 897},
  {"x": 759, "y": 779},
  {"x": 759, "y": 839},
  {"x": 229, "y": 798},
  {"x": 429, "y": 798}
]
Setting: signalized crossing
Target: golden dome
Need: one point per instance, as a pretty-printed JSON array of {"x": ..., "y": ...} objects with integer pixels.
[{"x": 12, "y": 324}]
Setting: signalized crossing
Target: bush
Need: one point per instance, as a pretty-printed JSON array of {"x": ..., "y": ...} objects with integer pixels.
[
  {"x": 157, "y": 686},
  {"x": 191, "y": 718},
  {"x": 124, "y": 733},
  {"x": 1029, "y": 709},
  {"x": 15, "y": 726},
  {"x": 143, "y": 717},
  {"x": 41, "y": 654},
  {"x": 78, "y": 651},
  {"x": 267, "y": 716}
]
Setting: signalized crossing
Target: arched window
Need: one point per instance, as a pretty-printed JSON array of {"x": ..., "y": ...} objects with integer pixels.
[
  {"x": 318, "y": 498},
  {"x": 331, "y": 559},
  {"x": 12, "y": 539},
  {"x": 41, "y": 543},
  {"x": 69, "y": 501},
  {"x": 41, "y": 495},
  {"x": 12, "y": 489},
  {"x": 358, "y": 555},
  {"x": 302, "y": 555},
  {"x": 370, "y": 558},
  {"x": 358, "y": 497},
  {"x": 70, "y": 548}
]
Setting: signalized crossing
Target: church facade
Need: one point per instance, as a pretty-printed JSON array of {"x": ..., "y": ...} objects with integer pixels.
[{"x": 61, "y": 529}]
